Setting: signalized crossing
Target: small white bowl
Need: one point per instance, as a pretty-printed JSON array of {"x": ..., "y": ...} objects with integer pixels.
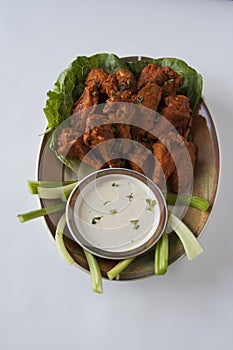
[{"x": 116, "y": 213}]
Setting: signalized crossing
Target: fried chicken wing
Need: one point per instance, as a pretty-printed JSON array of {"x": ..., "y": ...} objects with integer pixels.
[
  {"x": 97, "y": 131},
  {"x": 96, "y": 80},
  {"x": 65, "y": 139},
  {"x": 111, "y": 85},
  {"x": 120, "y": 81},
  {"x": 149, "y": 74},
  {"x": 149, "y": 96},
  {"x": 141, "y": 159},
  {"x": 165, "y": 77},
  {"x": 187, "y": 171},
  {"x": 174, "y": 155},
  {"x": 178, "y": 112},
  {"x": 172, "y": 82},
  {"x": 126, "y": 80},
  {"x": 85, "y": 105},
  {"x": 70, "y": 144},
  {"x": 121, "y": 111},
  {"x": 164, "y": 165}
]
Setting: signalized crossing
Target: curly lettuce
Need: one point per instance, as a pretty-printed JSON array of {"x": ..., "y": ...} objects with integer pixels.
[{"x": 70, "y": 85}]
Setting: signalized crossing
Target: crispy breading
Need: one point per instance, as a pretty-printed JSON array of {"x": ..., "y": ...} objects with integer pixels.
[
  {"x": 84, "y": 106},
  {"x": 141, "y": 159},
  {"x": 164, "y": 165},
  {"x": 149, "y": 96},
  {"x": 120, "y": 81},
  {"x": 186, "y": 178},
  {"x": 165, "y": 77},
  {"x": 96, "y": 79},
  {"x": 71, "y": 145},
  {"x": 121, "y": 111},
  {"x": 178, "y": 112},
  {"x": 97, "y": 131}
]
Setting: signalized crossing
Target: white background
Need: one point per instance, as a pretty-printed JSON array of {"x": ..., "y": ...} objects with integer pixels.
[{"x": 46, "y": 304}]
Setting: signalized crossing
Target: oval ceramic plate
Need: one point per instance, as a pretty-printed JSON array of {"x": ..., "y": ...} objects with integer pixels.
[{"x": 206, "y": 177}]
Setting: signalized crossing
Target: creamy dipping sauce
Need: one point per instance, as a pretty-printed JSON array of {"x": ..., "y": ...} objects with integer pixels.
[{"x": 116, "y": 213}]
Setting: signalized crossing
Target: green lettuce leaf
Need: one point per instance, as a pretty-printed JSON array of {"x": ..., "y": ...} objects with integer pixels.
[
  {"x": 192, "y": 80},
  {"x": 70, "y": 84}
]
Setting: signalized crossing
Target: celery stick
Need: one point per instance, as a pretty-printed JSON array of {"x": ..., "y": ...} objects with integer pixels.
[
  {"x": 61, "y": 192},
  {"x": 188, "y": 200},
  {"x": 33, "y": 185},
  {"x": 118, "y": 268},
  {"x": 96, "y": 277},
  {"x": 41, "y": 212},
  {"x": 161, "y": 255},
  {"x": 60, "y": 242},
  {"x": 191, "y": 245}
]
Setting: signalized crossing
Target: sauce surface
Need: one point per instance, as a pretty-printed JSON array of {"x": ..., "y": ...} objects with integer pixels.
[{"x": 116, "y": 213}]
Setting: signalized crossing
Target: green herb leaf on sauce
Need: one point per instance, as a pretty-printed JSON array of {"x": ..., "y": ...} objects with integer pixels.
[
  {"x": 151, "y": 203},
  {"x": 96, "y": 219},
  {"x": 130, "y": 196},
  {"x": 115, "y": 185},
  {"x": 113, "y": 211},
  {"x": 135, "y": 224}
]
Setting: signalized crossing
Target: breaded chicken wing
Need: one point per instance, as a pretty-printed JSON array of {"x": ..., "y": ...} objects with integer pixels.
[
  {"x": 181, "y": 184},
  {"x": 71, "y": 145},
  {"x": 84, "y": 106},
  {"x": 178, "y": 112},
  {"x": 165, "y": 77},
  {"x": 96, "y": 80},
  {"x": 164, "y": 165},
  {"x": 120, "y": 81},
  {"x": 97, "y": 131}
]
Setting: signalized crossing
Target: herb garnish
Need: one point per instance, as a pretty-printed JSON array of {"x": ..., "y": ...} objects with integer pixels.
[
  {"x": 129, "y": 82},
  {"x": 190, "y": 137},
  {"x": 96, "y": 219},
  {"x": 140, "y": 99},
  {"x": 113, "y": 211},
  {"x": 130, "y": 196},
  {"x": 115, "y": 129},
  {"x": 106, "y": 202},
  {"x": 135, "y": 224},
  {"x": 94, "y": 93},
  {"x": 168, "y": 81},
  {"x": 151, "y": 203},
  {"x": 115, "y": 185}
]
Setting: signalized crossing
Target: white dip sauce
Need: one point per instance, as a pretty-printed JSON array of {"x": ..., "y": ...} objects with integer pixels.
[{"x": 116, "y": 213}]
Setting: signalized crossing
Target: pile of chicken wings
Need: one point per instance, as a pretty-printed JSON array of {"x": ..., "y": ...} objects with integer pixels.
[{"x": 142, "y": 124}]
